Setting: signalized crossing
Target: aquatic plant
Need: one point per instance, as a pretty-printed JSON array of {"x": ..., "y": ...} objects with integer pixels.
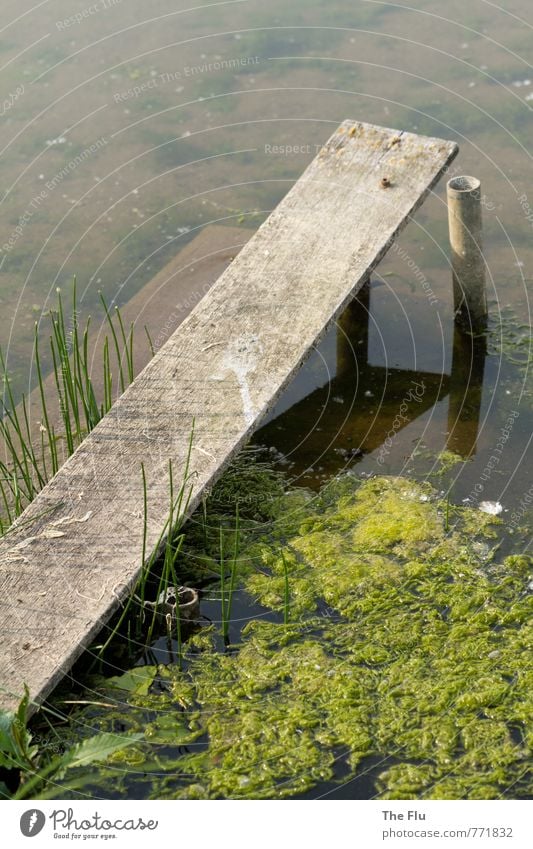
[
  {"x": 227, "y": 597},
  {"x": 446, "y": 461},
  {"x": 33, "y": 455},
  {"x": 250, "y": 485},
  {"x": 509, "y": 337},
  {"x": 404, "y": 660},
  {"x": 29, "y": 768},
  {"x": 286, "y": 594},
  {"x": 200, "y": 557},
  {"x": 158, "y": 570}
]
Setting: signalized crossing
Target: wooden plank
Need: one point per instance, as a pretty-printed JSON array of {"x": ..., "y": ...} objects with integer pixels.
[{"x": 223, "y": 368}]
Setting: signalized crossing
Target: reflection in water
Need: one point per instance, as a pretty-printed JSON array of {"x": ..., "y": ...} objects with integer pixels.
[
  {"x": 352, "y": 333},
  {"x": 466, "y": 389},
  {"x": 361, "y": 407}
]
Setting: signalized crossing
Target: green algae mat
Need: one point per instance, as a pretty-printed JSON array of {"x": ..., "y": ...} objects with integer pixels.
[{"x": 378, "y": 636}]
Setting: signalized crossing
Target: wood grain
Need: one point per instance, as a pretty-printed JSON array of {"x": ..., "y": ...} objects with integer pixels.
[{"x": 76, "y": 550}]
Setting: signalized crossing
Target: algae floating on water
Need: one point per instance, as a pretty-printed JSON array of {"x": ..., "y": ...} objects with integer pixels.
[{"x": 405, "y": 656}]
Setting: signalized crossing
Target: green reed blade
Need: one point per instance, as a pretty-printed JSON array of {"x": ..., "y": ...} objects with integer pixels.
[
  {"x": 150, "y": 343},
  {"x": 286, "y": 596},
  {"x": 44, "y": 407},
  {"x": 127, "y": 341},
  {"x": 115, "y": 342}
]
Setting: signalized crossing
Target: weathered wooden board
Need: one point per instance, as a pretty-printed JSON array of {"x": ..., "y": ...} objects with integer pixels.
[{"x": 223, "y": 368}]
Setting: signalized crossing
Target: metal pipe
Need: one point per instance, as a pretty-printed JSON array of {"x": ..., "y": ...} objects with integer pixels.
[{"x": 468, "y": 264}]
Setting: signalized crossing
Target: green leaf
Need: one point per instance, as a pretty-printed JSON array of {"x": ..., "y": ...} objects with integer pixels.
[
  {"x": 91, "y": 750},
  {"x": 136, "y": 681},
  {"x": 170, "y": 728},
  {"x": 97, "y": 748},
  {"x": 7, "y": 741},
  {"x": 15, "y": 738},
  {"x": 20, "y": 732},
  {"x": 22, "y": 708}
]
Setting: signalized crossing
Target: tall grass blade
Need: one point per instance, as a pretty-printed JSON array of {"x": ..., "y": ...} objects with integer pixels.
[
  {"x": 150, "y": 343},
  {"x": 115, "y": 342},
  {"x": 233, "y": 573},
  {"x": 44, "y": 408},
  {"x": 32, "y": 455}
]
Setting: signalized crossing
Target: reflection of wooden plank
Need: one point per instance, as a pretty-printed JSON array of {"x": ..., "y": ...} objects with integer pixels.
[
  {"x": 223, "y": 367},
  {"x": 337, "y": 423},
  {"x": 466, "y": 391},
  {"x": 173, "y": 293},
  {"x": 352, "y": 332}
]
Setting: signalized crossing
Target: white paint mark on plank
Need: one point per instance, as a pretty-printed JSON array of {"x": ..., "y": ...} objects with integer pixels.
[{"x": 242, "y": 357}]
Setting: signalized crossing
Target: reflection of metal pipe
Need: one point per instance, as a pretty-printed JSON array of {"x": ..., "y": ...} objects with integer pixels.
[
  {"x": 352, "y": 333},
  {"x": 464, "y": 222},
  {"x": 466, "y": 388}
]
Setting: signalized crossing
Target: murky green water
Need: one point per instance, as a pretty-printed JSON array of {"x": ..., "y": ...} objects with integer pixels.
[{"x": 127, "y": 131}]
